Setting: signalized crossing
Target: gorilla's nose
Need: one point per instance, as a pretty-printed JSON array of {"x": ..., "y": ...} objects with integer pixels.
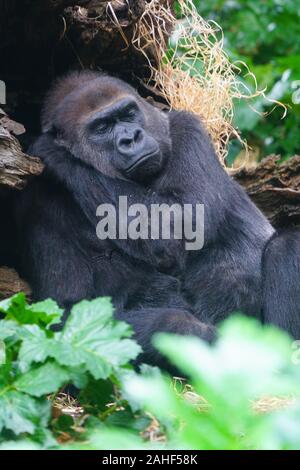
[{"x": 130, "y": 141}]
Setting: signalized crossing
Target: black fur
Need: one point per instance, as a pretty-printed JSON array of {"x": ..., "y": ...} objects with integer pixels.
[{"x": 156, "y": 285}]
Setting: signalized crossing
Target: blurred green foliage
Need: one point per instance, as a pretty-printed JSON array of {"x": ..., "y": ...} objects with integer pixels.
[
  {"x": 265, "y": 35},
  {"x": 93, "y": 352}
]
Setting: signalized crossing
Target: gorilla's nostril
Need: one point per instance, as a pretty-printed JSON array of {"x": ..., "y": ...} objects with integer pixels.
[
  {"x": 126, "y": 142},
  {"x": 138, "y": 135}
]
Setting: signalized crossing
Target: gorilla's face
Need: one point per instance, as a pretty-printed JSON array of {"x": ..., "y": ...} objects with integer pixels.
[
  {"x": 105, "y": 123},
  {"x": 120, "y": 131}
]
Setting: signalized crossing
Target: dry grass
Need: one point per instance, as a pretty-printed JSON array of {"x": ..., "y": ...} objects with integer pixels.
[
  {"x": 271, "y": 404},
  {"x": 154, "y": 432},
  {"x": 65, "y": 404},
  {"x": 209, "y": 92},
  {"x": 186, "y": 391}
]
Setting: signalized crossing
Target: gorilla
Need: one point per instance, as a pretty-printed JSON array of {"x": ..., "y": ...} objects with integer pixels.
[{"x": 100, "y": 140}]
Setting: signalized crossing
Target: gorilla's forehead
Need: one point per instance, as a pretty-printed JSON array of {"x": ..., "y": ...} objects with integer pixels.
[
  {"x": 94, "y": 96},
  {"x": 103, "y": 94}
]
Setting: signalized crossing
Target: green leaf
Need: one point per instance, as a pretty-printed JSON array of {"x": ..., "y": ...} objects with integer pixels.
[
  {"x": 245, "y": 356},
  {"x": 48, "y": 311},
  {"x": 78, "y": 376},
  {"x": 22, "y": 444},
  {"x": 43, "y": 380},
  {"x": 35, "y": 347},
  {"x": 2, "y": 353},
  {"x": 14, "y": 306},
  {"x": 112, "y": 439},
  {"x": 21, "y": 413},
  {"x": 91, "y": 338},
  {"x": 8, "y": 329},
  {"x": 44, "y": 313},
  {"x": 97, "y": 394},
  {"x": 5, "y": 374},
  {"x": 63, "y": 423}
]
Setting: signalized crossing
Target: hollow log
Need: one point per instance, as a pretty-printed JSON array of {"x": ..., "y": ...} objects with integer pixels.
[{"x": 41, "y": 40}]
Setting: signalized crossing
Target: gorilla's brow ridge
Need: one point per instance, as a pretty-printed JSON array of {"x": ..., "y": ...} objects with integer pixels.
[{"x": 110, "y": 103}]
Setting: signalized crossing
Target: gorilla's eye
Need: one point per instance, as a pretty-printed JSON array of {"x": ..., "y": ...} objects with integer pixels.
[
  {"x": 102, "y": 127},
  {"x": 129, "y": 113}
]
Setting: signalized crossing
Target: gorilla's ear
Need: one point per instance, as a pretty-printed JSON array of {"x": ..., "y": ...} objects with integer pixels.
[
  {"x": 49, "y": 128},
  {"x": 56, "y": 134},
  {"x": 52, "y": 129}
]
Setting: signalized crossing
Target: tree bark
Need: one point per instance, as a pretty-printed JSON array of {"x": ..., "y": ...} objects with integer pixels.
[
  {"x": 10, "y": 283},
  {"x": 15, "y": 166},
  {"x": 42, "y": 40},
  {"x": 15, "y": 169},
  {"x": 275, "y": 189}
]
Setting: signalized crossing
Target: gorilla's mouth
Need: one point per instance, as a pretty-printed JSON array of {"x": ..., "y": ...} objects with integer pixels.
[{"x": 141, "y": 160}]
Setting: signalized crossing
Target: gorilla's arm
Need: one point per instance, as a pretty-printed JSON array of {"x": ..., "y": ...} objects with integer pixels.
[
  {"x": 53, "y": 266},
  {"x": 190, "y": 167},
  {"x": 91, "y": 188},
  {"x": 281, "y": 286},
  {"x": 147, "y": 322}
]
